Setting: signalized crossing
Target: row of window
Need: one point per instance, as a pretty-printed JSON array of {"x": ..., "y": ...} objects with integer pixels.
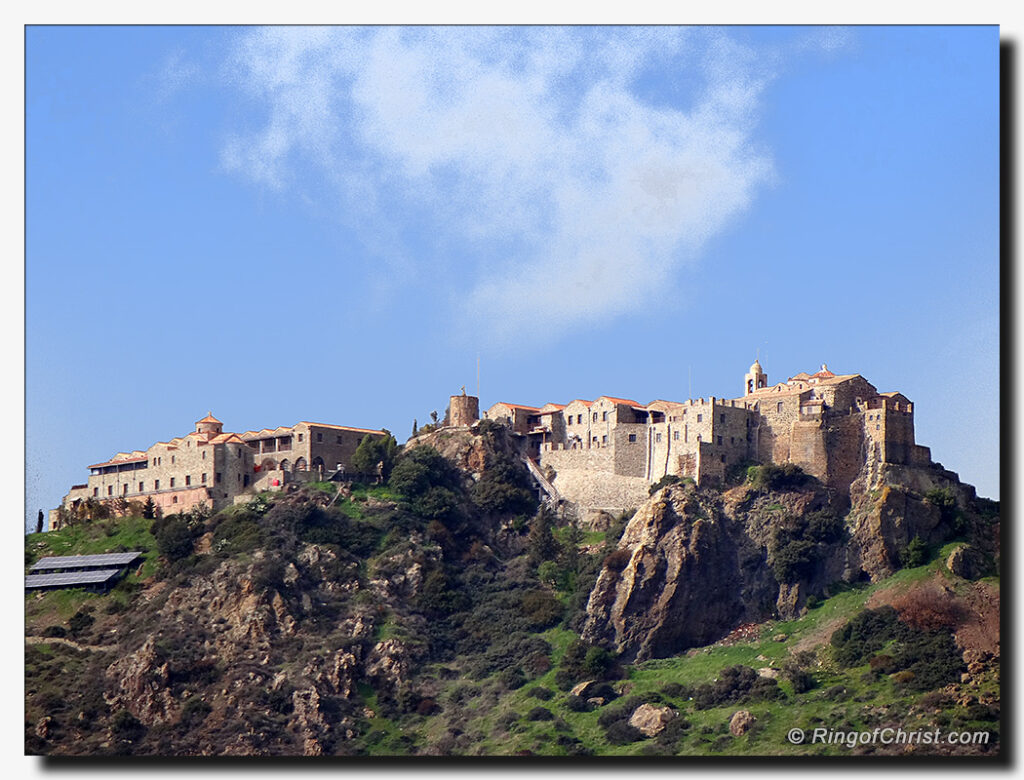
[{"x": 156, "y": 485}]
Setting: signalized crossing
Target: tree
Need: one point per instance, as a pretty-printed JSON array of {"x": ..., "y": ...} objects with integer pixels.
[
  {"x": 39, "y": 522},
  {"x": 541, "y": 542},
  {"x": 373, "y": 450},
  {"x": 174, "y": 539},
  {"x": 415, "y": 427},
  {"x": 433, "y": 417},
  {"x": 149, "y": 509}
]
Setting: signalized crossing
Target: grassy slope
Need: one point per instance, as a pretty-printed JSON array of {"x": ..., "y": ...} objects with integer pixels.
[{"x": 497, "y": 718}]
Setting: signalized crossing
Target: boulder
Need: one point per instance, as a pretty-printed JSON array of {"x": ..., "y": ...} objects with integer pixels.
[
  {"x": 651, "y": 720},
  {"x": 740, "y": 722}
]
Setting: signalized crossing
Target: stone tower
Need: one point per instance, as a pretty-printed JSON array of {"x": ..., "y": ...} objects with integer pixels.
[
  {"x": 209, "y": 425},
  {"x": 755, "y": 379},
  {"x": 463, "y": 409}
]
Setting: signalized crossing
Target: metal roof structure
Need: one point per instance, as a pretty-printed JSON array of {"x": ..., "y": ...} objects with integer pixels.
[
  {"x": 105, "y": 560},
  {"x": 70, "y": 579}
]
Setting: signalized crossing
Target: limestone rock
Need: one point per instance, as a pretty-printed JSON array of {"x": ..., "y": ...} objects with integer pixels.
[
  {"x": 582, "y": 688},
  {"x": 767, "y": 671},
  {"x": 740, "y": 722},
  {"x": 141, "y": 684},
  {"x": 673, "y": 583},
  {"x": 966, "y": 562},
  {"x": 651, "y": 720}
]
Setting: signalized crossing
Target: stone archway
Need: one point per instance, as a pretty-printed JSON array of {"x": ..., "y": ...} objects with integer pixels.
[
  {"x": 284, "y": 465},
  {"x": 301, "y": 465},
  {"x": 268, "y": 464}
]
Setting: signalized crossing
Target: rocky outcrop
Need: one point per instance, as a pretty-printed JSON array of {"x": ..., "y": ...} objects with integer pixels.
[
  {"x": 651, "y": 720},
  {"x": 740, "y": 722},
  {"x": 692, "y": 564},
  {"x": 140, "y": 683},
  {"x": 673, "y": 583}
]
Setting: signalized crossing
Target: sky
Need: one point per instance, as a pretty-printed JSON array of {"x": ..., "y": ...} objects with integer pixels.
[{"x": 339, "y": 224}]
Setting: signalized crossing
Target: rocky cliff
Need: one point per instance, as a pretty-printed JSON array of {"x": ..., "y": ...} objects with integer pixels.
[{"x": 692, "y": 564}]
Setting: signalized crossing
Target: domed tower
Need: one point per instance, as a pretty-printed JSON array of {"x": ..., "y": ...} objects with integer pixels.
[
  {"x": 755, "y": 379},
  {"x": 209, "y": 425},
  {"x": 463, "y": 409}
]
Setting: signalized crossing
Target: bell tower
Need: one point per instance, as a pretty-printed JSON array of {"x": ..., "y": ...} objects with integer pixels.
[{"x": 755, "y": 379}]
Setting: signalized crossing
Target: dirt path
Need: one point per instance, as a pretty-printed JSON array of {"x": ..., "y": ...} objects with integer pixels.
[{"x": 56, "y": 640}]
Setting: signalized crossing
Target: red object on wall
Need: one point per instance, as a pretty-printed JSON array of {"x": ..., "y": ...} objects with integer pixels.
[
  {"x": 275, "y": 482},
  {"x": 255, "y": 468}
]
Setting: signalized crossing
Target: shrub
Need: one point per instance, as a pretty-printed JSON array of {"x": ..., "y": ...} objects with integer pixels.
[
  {"x": 914, "y": 554},
  {"x": 194, "y": 712},
  {"x": 173, "y": 538},
  {"x": 540, "y": 713},
  {"x": 373, "y": 450},
  {"x": 776, "y": 477},
  {"x": 504, "y": 488},
  {"x": 541, "y": 609},
  {"x": 55, "y": 631},
  {"x": 540, "y": 692},
  {"x": 512, "y": 678},
  {"x": 618, "y": 560},
  {"x": 126, "y": 726},
  {"x": 577, "y": 704},
  {"x": 929, "y": 607},
  {"x": 80, "y": 622},
  {"x": 621, "y": 733},
  {"x": 666, "y": 481},
  {"x": 735, "y": 684}
]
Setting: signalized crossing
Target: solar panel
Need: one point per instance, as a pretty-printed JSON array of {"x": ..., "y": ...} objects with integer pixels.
[
  {"x": 70, "y": 579},
  {"x": 78, "y": 561}
]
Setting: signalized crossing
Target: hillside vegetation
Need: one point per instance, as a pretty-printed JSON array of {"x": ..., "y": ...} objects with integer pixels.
[{"x": 447, "y": 613}]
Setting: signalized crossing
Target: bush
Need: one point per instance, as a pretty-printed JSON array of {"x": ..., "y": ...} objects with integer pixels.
[
  {"x": 80, "y": 622},
  {"x": 618, "y": 560},
  {"x": 735, "y": 684},
  {"x": 914, "y": 554},
  {"x": 55, "y": 631},
  {"x": 540, "y": 692},
  {"x": 621, "y": 733},
  {"x": 539, "y": 713},
  {"x": 173, "y": 538},
  {"x": 541, "y": 609},
  {"x": 577, "y": 704},
  {"x": 373, "y": 450},
  {"x": 504, "y": 488},
  {"x": 776, "y": 477},
  {"x": 666, "y": 481},
  {"x": 126, "y": 726}
]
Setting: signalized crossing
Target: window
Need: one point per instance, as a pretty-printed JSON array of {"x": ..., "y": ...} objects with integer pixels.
[
  {"x": 579, "y": 419},
  {"x": 141, "y": 486},
  {"x": 239, "y": 477},
  {"x": 204, "y": 454},
  {"x": 110, "y": 490},
  {"x": 632, "y": 437},
  {"x": 700, "y": 418},
  {"x": 188, "y": 480},
  {"x": 675, "y": 435},
  {"x": 721, "y": 418},
  {"x": 569, "y": 421},
  {"x": 719, "y": 439},
  {"x": 124, "y": 489},
  {"x": 878, "y": 427},
  {"x": 778, "y": 407},
  {"x": 95, "y": 492},
  {"x": 216, "y": 478},
  {"x": 595, "y": 416},
  {"x": 174, "y": 500},
  {"x": 300, "y": 437},
  {"x": 172, "y": 481},
  {"x": 604, "y": 416},
  {"x": 723, "y": 459},
  {"x": 732, "y": 440},
  {"x": 595, "y": 440},
  {"x": 319, "y": 437},
  {"x": 156, "y": 485},
  {"x": 604, "y": 440},
  {"x": 339, "y": 440},
  {"x": 172, "y": 460},
  {"x": 657, "y": 436},
  {"x": 203, "y": 479}
]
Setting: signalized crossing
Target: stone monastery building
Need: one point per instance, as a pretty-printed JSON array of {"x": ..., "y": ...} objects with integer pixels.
[
  {"x": 606, "y": 453},
  {"x": 213, "y": 467}
]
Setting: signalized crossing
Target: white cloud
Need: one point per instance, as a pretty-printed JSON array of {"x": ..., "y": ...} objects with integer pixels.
[{"x": 556, "y": 156}]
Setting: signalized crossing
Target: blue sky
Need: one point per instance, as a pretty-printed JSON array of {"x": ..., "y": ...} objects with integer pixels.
[{"x": 333, "y": 224}]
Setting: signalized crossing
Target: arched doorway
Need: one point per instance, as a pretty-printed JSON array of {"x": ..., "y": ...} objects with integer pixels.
[
  {"x": 301, "y": 465},
  {"x": 268, "y": 464},
  {"x": 284, "y": 465}
]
